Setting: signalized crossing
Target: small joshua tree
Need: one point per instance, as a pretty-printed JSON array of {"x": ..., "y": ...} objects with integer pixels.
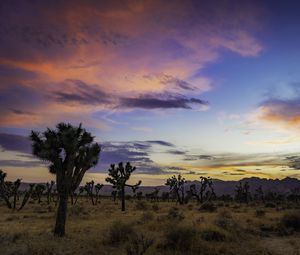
[
  {"x": 70, "y": 152},
  {"x": 242, "y": 192},
  {"x": 15, "y": 191},
  {"x": 39, "y": 190},
  {"x": 98, "y": 187},
  {"x": 118, "y": 176},
  {"x": 176, "y": 186},
  {"x": 49, "y": 187},
  {"x": 27, "y": 195},
  {"x": 206, "y": 187},
  {"x": 89, "y": 187},
  {"x": 5, "y": 192},
  {"x": 259, "y": 194}
]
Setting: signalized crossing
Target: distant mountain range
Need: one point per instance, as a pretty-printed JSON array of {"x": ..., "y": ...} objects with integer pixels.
[{"x": 222, "y": 187}]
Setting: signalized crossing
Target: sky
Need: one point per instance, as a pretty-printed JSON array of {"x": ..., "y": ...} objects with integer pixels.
[{"x": 198, "y": 88}]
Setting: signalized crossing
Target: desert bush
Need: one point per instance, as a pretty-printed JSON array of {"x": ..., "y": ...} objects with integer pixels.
[
  {"x": 190, "y": 207},
  {"x": 77, "y": 210},
  {"x": 119, "y": 232},
  {"x": 260, "y": 213},
  {"x": 270, "y": 205},
  {"x": 141, "y": 205},
  {"x": 220, "y": 204},
  {"x": 291, "y": 221},
  {"x": 155, "y": 207},
  {"x": 208, "y": 207},
  {"x": 175, "y": 214},
  {"x": 225, "y": 213},
  {"x": 138, "y": 245},
  {"x": 224, "y": 220},
  {"x": 179, "y": 238},
  {"x": 212, "y": 235},
  {"x": 147, "y": 216}
]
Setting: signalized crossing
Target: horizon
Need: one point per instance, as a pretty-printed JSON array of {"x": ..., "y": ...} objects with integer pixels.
[{"x": 193, "y": 88}]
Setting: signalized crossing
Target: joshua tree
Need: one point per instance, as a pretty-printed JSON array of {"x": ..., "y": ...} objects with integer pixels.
[
  {"x": 118, "y": 176},
  {"x": 114, "y": 194},
  {"x": 49, "y": 187},
  {"x": 5, "y": 192},
  {"x": 15, "y": 191},
  {"x": 70, "y": 152},
  {"x": 89, "y": 187},
  {"x": 242, "y": 192},
  {"x": 80, "y": 191},
  {"x": 98, "y": 187},
  {"x": 153, "y": 196},
  {"x": 39, "y": 190},
  {"x": 206, "y": 187},
  {"x": 176, "y": 185},
  {"x": 259, "y": 194},
  {"x": 27, "y": 196}
]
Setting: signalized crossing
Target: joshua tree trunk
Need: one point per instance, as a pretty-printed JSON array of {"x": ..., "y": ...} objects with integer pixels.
[
  {"x": 61, "y": 215},
  {"x": 123, "y": 198}
]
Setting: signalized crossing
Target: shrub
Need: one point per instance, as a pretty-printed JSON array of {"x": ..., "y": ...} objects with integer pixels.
[
  {"x": 138, "y": 245},
  {"x": 260, "y": 213},
  {"x": 155, "y": 207},
  {"x": 208, "y": 207},
  {"x": 141, "y": 205},
  {"x": 180, "y": 238},
  {"x": 190, "y": 207},
  {"x": 270, "y": 205},
  {"x": 119, "y": 232},
  {"x": 213, "y": 235},
  {"x": 291, "y": 221},
  {"x": 175, "y": 214},
  {"x": 225, "y": 220},
  {"x": 147, "y": 216},
  {"x": 77, "y": 210}
]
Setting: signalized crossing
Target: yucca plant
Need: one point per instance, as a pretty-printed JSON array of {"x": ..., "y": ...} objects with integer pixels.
[
  {"x": 70, "y": 152},
  {"x": 118, "y": 177}
]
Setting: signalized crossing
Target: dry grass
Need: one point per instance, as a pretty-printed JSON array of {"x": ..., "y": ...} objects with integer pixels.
[{"x": 235, "y": 229}]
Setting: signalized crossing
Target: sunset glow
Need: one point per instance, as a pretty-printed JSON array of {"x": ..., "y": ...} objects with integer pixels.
[{"x": 193, "y": 87}]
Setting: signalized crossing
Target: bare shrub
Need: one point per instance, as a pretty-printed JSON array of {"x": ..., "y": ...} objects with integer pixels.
[
  {"x": 175, "y": 214},
  {"x": 212, "y": 235},
  {"x": 290, "y": 222},
  {"x": 180, "y": 238},
  {"x": 119, "y": 232},
  {"x": 138, "y": 245},
  {"x": 141, "y": 205}
]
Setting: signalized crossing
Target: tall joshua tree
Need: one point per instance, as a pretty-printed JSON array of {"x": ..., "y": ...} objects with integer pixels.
[
  {"x": 176, "y": 186},
  {"x": 118, "y": 176},
  {"x": 206, "y": 185},
  {"x": 70, "y": 152}
]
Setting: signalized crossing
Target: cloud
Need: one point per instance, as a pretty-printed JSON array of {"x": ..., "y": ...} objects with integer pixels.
[
  {"x": 79, "y": 92},
  {"x": 163, "y": 101},
  {"x": 132, "y": 55},
  {"x": 176, "y": 152},
  {"x": 160, "y": 142},
  {"x": 281, "y": 112},
  {"x": 21, "y": 163},
  {"x": 293, "y": 162},
  {"x": 13, "y": 142},
  {"x": 198, "y": 157}
]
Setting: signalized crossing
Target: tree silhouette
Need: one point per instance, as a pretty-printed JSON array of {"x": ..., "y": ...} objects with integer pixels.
[
  {"x": 118, "y": 176},
  {"x": 176, "y": 185},
  {"x": 242, "y": 193},
  {"x": 4, "y": 189},
  {"x": 49, "y": 187},
  {"x": 206, "y": 187},
  {"x": 98, "y": 187},
  {"x": 71, "y": 152}
]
